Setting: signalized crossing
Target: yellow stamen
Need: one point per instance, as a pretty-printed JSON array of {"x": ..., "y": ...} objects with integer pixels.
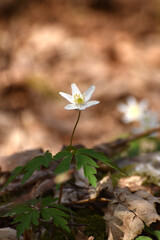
[
  {"x": 79, "y": 99},
  {"x": 134, "y": 111}
]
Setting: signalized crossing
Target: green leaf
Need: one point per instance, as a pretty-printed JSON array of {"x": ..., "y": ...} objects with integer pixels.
[
  {"x": 49, "y": 213},
  {"x": 15, "y": 173},
  {"x": 143, "y": 238},
  {"x": 47, "y": 201},
  {"x": 30, "y": 167},
  {"x": 33, "y": 201},
  {"x": 157, "y": 234},
  {"x": 47, "y": 159},
  {"x": 99, "y": 156},
  {"x": 93, "y": 180},
  {"x": 88, "y": 165},
  {"x": 35, "y": 164},
  {"x": 64, "y": 165},
  {"x": 27, "y": 175},
  {"x": 24, "y": 208},
  {"x": 61, "y": 222},
  {"x": 83, "y": 159},
  {"x": 134, "y": 149},
  {"x": 35, "y": 216},
  {"x": 25, "y": 222},
  {"x": 57, "y": 216},
  {"x": 20, "y": 229},
  {"x": 62, "y": 208},
  {"x": 46, "y": 214},
  {"x": 61, "y": 155}
]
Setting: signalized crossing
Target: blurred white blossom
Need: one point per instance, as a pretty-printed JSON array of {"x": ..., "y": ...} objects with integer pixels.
[
  {"x": 133, "y": 110},
  {"x": 149, "y": 120}
]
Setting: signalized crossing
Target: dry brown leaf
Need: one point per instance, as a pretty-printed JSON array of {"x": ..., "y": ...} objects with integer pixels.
[
  {"x": 105, "y": 183},
  {"x": 134, "y": 183},
  {"x": 8, "y": 163},
  {"x": 8, "y": 234},
  {"x": 125, "y": 215}
]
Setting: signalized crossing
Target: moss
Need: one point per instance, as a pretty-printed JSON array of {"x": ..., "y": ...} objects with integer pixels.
[
  {"x": 96, "y": 226},
  {"x": 61, "y": 235},
  {"x": 46, "y": 236},
  {"x": 85, "y": 212}
]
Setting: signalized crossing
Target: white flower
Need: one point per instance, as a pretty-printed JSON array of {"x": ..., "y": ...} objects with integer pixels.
[
  {"x": 148, "y": 121},
  {"x": 77, "y": 99},
  {"x": 133, "y": 111}
]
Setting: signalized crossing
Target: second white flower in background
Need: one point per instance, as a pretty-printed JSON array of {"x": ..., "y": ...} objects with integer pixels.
[{"x": 133, "y": 110}]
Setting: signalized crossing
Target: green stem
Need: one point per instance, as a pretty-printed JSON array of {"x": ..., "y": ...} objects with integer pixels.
[{"x": 79, "y": 114}]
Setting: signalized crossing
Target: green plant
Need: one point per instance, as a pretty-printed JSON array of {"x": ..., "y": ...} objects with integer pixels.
[
  {"x": 151, "y": 232},
  {"x": 32, "y": 212}
]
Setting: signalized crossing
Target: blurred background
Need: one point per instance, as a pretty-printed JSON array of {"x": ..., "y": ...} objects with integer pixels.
[{"x": 45, "y": 45}]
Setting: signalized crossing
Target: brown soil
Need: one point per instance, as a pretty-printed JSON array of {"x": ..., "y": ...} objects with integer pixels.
[{"x": 45, "y": 47}]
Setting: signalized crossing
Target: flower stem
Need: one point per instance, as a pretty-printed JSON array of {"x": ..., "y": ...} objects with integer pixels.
[
  {"x": 60, "y": 194},
  {"x": 79, "y": 114}
]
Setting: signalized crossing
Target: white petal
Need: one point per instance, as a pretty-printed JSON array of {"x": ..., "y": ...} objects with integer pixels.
[
  {"x": 144, "y": 104},
  {"x": 71, "y": 107},
  {"x": 131, "y": 100},
  {"x": 88, "y": 104},
  {"x": 122, "y": 107},
  {"x": 67, "y": 96},
  {"x": 75, "y": 89},
  {"x": 88, "y": 93},
  {"x": 126, "y": 119}
]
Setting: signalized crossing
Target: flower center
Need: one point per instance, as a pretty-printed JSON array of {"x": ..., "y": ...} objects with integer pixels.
[
  {"x": 79, "y": 99},
  {"x": 135, "y": 111}
]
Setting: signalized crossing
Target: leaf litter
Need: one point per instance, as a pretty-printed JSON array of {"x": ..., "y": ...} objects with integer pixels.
[{"x": 126, "y": 208}]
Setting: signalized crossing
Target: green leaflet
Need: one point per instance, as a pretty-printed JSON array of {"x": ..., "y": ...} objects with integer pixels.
[
  {"x": 35, "y": 217},
  {"x": 99, "y": 156},
  {"x": 30, "y": 167},
  {"x": 15, "y": 173},
  {"x": 65, "y": 157},
  {"x": 143, "y": 238},
  {"x": 64, "y": 165},
  {"x": 59, "y": 206},
  {"x": 25, "y": 222},
  {"x": 57, "y": 216},
  {"x": 27, "y": 214},
  {"x": 89, "y": 166},
  {"x": 19, "y": 210},
  {"x": 84, "y": 160},
  {"x": 151, "y": 231},
  {"x": 61, "y": 222},
  {"x": 47, "y": 201},
  {"x": 35, "y": 164},
  {"x": 157, "y": 234},
  {"x": 61, "y": 154}
]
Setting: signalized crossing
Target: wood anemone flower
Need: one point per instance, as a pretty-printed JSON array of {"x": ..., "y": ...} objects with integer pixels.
[
  {"x": 77, "y": 99},
  {"x": 133, "y": 110}
]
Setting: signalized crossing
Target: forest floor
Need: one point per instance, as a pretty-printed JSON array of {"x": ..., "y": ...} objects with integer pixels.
[{"x": 46, "y": 46}]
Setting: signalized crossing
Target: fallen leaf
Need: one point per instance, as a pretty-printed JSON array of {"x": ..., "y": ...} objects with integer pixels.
[
  {"x": 8, "y": 234},
  {"x": 134, "y": 183},
  {"x": 105, "y": 183},
  {"x": 125, "y": 215}
]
